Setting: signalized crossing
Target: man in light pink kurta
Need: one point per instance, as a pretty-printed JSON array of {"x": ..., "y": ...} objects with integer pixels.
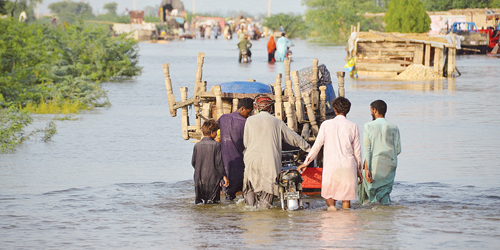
[{"x": 342, "y": 156}]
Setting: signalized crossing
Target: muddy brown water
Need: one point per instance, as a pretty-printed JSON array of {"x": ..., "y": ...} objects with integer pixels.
[{"x": 120, "y": 177}]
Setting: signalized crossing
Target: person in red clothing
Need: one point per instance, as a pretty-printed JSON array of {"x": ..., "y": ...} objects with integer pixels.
[{"x": 271, "y": 48}]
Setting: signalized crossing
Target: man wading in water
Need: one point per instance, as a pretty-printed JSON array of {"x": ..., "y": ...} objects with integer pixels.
[
  {"x": 231, "y": 140},
  {"x": 263, "y": 138},
  {"x": 381, "y": 147}
]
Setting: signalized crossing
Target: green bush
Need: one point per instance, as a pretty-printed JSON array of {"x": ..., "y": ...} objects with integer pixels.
[
  {"x": 12, "y": 124},
  {"x": 293, "y": 25},
  {"x": 407, "y": 16},
  {"x": 68, "y": 62},
  {"x": 60, "y": 66},
  {"x": 330, "y": 21}
]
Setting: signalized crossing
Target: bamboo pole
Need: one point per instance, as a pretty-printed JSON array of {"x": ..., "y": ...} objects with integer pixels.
[
  {"x": 340, "y": 76},
  {"x": 278, "y": 105},
  {"x": 310, "y": 113},
  {"x": 185, "y": 117},
  {"x": 298, "y": 103},
  {"x": 322, "y": 106},
  {"x": 315, "y": 79},
  {"x": 170, "y": 93},
  {"x": 218, "y": 101}
]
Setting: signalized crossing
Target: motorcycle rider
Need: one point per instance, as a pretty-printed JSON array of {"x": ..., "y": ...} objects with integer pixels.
[{"x": 245, "y": 44}]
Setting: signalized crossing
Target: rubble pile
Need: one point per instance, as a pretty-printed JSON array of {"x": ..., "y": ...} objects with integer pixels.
[{"x": 418, "y": 72}]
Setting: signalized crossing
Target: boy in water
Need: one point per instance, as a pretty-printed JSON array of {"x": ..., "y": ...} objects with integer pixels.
[{"x": 208, "y": 166}]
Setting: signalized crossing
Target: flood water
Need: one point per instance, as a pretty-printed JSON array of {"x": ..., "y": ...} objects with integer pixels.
[{"x": 120, "y": 177}]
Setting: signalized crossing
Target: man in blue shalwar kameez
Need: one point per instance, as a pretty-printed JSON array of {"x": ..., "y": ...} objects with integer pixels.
[
  {"x": 231, "y": 139},
  {"x": 282, "y": 47},
  {"x": 381, "y": 147}
]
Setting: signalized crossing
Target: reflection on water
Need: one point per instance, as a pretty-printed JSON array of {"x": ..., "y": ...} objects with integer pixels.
[
  {"x": 339, "y": 229},
  {"x": 120, "y": 177},
  {"x": 425, "y": 86}
]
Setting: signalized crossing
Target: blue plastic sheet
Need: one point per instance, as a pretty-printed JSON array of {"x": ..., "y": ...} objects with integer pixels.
[{"x": 245, "y": 87}]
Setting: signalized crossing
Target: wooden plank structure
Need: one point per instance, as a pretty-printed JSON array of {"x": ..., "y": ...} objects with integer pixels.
[
  {"x": 378, "y": 53},
  {"x": 302, "y": 112}
]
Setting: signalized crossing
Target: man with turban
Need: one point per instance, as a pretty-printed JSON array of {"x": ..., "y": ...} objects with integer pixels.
[{"x": 263, "y": 137}]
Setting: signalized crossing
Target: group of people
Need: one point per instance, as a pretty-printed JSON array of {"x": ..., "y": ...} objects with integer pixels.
[
  {"x": 248, "y": 157},
  {"x": 277, "y": 50}
]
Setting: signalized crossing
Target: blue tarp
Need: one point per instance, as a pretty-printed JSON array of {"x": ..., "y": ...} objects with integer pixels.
[{"x": 244, "y": 87}]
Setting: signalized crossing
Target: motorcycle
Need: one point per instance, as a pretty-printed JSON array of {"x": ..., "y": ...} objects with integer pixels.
[
  {"x": 289, "y": 54},
  {"x": 244, "y": 56},
  {"x": 289, "y": 182}
]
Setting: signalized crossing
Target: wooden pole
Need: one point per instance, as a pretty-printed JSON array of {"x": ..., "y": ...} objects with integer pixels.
[
  {"x": 170, "y": 93},
  {"x": 286, "y": 62},
  {"x": 185, "y": 117},
  {"x": 314, "y": 91},
  {"x": 310, "y": 113},
  {"x": 268, "y": 9},
  {"x": 218, "y": 101},
  {"x": 340, "y": 76},
  {"x": 427, "y": 55},
  {"x": 419, "y": 54},
  {"x": 199, "y": 75},
  {"x": 278, "y": 105},
  {"x": 452, "y": 52},
  {"x": 359, "y": 26},
  {"x": 298, "y": 103},
  {"x": 205, "y": 110},
  {"x": 438, "y": 61},
  {"x": 289, "y": 115},
  {"x": 235, "y": 104},
  {"x": 322, "y": 108},
  {"x": 198, "y": 89}
]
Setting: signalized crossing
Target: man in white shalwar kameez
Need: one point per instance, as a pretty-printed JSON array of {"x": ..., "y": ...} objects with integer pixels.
[
  {"x": 342, "y": 156},
  {"x": 263, "y": 137}
]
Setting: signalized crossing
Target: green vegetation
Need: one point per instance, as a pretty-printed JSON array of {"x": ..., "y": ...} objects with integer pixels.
[
  {"x": 46, "y": 69},
  {"x": 443, "y": 5},
  {"x": 293, "y": 25},
  {"x": 330, "y": 20},
  {"x": 407, "y": 16},
  {"x": 12, "y": 124}
]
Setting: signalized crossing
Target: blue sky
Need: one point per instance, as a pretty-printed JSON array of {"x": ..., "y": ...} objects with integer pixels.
[{"x": 253, "y": 7}]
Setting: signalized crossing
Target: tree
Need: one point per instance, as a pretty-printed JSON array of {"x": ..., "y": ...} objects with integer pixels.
[
  {"x": 466, "y": 4},
  {"x": 495, "y": 4},
  {"x": 14, "y": 8},
  {"x": 330, "y": 20},
  {"x": 69, "y": 7},
  {"x": 407, "y": 16},
  {"x": 3, "y": 10},
  {"x": 433, "y": 5},
  {"x": 111, "y": 8},
  {"x": 293, "y": 24}
]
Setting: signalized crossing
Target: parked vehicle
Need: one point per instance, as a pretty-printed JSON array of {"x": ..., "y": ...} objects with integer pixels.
[{"x": 474, "y": 41}]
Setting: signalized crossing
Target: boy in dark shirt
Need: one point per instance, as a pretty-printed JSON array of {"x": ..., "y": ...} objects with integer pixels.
[{"x": 208, "y": 166}]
